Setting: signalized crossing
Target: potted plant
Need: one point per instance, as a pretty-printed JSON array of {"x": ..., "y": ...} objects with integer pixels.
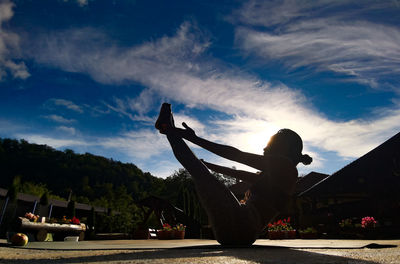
[
  {"x": 281, "y": 229},
  {"x": 179, "y": 231},
  {"x": 166, "y": 232},
  {"x": 308, "y": 233},
  {"x": 368, "y": 224}
]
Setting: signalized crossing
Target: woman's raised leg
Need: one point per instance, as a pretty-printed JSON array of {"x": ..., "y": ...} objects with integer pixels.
[{"x": 232, "y": 222}]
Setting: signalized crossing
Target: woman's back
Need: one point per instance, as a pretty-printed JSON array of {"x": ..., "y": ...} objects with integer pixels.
[{"x": 275, "y": 187}]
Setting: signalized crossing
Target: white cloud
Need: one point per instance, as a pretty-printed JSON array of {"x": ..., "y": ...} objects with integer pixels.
[
  {"x": 254, "y": 12},
  {"x": 67, "y": 130},
  {"x": 51, "y": 141},
  {"x": 161, "y": 168},
  {"x": 107, "y": 63},
  {"x": 141, "y": 144},
  {"x": 82, "y": 2},
  {"x": 8, "y": 127},
  {"x": 133, "y": 108},
  {"x": 193, "y": 122},
  {"x": 177, "y": 68},
  {"x": 64, "y": 103},
  {"x": 307, "y": 35},
  {"x": 142, "y": 103},
  {"x": 280, "y": 12},
  {"x": 17, "y": 70},
  {"x": 59, "y": 119},
  {"x": 9, "y": 47}
]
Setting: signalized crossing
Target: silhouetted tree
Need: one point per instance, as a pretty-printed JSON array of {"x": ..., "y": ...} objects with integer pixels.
[{"x": 71, "y": 209}]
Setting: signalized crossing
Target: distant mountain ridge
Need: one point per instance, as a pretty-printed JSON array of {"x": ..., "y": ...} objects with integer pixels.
[{"x": 87, "y": 175}]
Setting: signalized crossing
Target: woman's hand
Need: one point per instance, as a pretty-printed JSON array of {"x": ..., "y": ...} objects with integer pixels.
[{"x": 188, "y": 131}]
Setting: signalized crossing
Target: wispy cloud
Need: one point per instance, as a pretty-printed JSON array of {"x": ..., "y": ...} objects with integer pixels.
[
  {"x": 55, "y": 142},
  {"x": 67, "y": 130},
  {"x": 177, "y": 68},
  {"x": 8, "y": 127},
  {"x": 59, "y": 119},
  {"x": 319, "y": 35},
  {"x": 79, "y": 2},
  {"x": 10, "y": 63},
  {"x": 105, "y": 62},
  {"x": 141, "y": 144},
  {"x": 133, "y": 108},
  {"x": 142, "y": 103},
  {"x": 64, "y": 103},
  {"x": 82, "y": 2}
]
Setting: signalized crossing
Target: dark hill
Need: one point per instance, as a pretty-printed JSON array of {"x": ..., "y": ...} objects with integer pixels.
[{"x": 86, "y": 175}]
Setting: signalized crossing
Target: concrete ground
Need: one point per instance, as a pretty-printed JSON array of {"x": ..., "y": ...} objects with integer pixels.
[{"x": 204, "y": 251}]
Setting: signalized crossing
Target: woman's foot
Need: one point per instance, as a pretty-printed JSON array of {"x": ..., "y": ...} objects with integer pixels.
[{"x": 165, "y": 119}]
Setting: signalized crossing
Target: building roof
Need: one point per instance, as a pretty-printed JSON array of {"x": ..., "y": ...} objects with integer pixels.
[
  {"x": 303, "y": 183},
  {"x": 308, "y": 181},
  {"x": 374, "y": 174},
  {"x": 58, "y": 203},
  {"x": 239, "y": 189}
]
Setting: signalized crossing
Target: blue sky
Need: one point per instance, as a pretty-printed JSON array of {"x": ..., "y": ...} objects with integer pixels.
[{"x": 90, "y": 75}]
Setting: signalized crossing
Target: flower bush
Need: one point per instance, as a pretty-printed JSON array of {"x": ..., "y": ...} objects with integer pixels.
[
  {"x": 368, "y": 222},
  {"x": 281, "y": 229},
  {"x": 75, "y": 221},
  {"x": 280, "y": 225},
  {"x": 65, "y": 220},
  {"x": 167, "y": 232},
  {"x": 180, "y": 227},
  {"x": 166, "y": 227}
]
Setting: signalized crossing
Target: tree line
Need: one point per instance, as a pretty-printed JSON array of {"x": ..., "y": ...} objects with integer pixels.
[
  {"x": 95, "y": 180},
  {"x": 88, "y": 177}
]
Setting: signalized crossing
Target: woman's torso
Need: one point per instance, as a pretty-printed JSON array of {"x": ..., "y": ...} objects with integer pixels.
[{"x": 273, "y": 191}]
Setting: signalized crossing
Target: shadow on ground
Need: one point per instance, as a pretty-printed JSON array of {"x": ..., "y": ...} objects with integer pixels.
[{"x": 259, "y": 254}]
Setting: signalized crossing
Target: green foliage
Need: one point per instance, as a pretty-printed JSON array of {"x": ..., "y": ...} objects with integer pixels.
[
  {"x": 38, "y": 189},
  {"x": 32, "y": 188},
  {"x": 14, "y": 188},
  {"x": 308, "y": 230},
  {"x": 90, "y": 177},
  {"x": 94, "y": 180},
  {"x": 71, "y": 209},
  {"x": 44, "y": 199},
  {"x": 128, "y": 217},
  {"x": 180, "y": 191},
  {"x": 123, "y": 222},
  {"x": 152, "y": 222}
]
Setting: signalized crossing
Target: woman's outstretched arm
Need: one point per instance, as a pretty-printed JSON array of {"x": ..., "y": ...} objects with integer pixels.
[
  {"x": 228, "y": 152},
  {"x": 245, "y": 176}
]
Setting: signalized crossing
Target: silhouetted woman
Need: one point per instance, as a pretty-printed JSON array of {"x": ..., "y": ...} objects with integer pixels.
[{"x": 233, "y": 222}]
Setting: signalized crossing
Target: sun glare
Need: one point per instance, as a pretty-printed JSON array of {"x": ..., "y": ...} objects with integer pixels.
[{"x": 256, "y": 140}]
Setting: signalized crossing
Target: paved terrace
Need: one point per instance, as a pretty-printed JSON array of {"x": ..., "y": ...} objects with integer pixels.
[{"x": 204, "y": 251}]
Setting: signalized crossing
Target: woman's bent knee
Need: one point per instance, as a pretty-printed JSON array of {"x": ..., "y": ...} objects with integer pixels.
[{"x": 237, "y": 237}]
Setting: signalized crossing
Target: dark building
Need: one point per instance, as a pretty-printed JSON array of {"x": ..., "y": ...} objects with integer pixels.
[
  {"x": 369, "y": 186},
  {"x": 308, "y": 181},
  {"x": 30, "y": 203}
]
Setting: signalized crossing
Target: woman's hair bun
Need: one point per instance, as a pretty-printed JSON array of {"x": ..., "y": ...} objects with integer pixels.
[{"x": 305, "y": 159}]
